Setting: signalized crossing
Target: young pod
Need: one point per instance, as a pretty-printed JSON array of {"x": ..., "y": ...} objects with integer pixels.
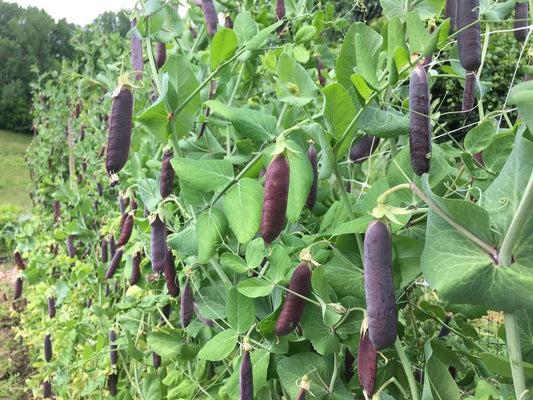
[
  {"x": 47, "y": 390},
  {"x": 312, "y": 155},
  {"x": 51, "y": 307},
  {"x": 122, "y": 203},
  {"x": 275, "y": 197},
  {"x": 469, "y": 39},
  {"x": 105, "y": 256},
  {"x": 469, "y": 94},
  {"x": 419, "y": 123},
  {"x": 107, "y": 289},
  {"x": 348, "y": 365},
  {"x": 57, "y": 210},
  {"x": 47, "y": 348},
  {"x": 158, "y": 245},
  {"x": 112, "y": 381},
  {"x": 112, "y": 247},
  {"x": 367, "y": 363},
  {"x": 113, "y": 265},
  {"x": 102, "y": 151},
  {"x": 136, "y": 54},
  {"x": 161, "y": 54},
  {"x": 246, "y": 381},
  {"x": 71, "y": 250},
  {"x": 170, "y": 275},
  {"x": 78, "y": 108},
  {"x": 113, "y": 353},
  {"x": 207, "y": 321},
  {"x": 379, "y": 287},
  {"x": 99, "y": 189},
  {"x": 187, "y": 301},
  {"x": 294, "y": 306},
  {"x": 228, "y": 23},
  {"x": 119, "y": 137},
  {"x": 125, "y": 233},
  {"x": 451, "y": 12},
  {"x": 136, "y": 269},
  {"x": 167, "y": 174},
  {"x": 82, "y": 133},
  {"x": 521, "y": 13},
  {"x": 210, "y": 16},
  {"x": 18, "y": 261},
  {"x": 116, "y": 286},
  {"x": 280, "y": 14},
  {"x": 156, "y": 358},
  {"x": 363, "y": 148}
]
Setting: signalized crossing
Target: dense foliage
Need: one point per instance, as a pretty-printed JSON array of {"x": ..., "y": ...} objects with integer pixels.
[{"x": 262, "y": 292}]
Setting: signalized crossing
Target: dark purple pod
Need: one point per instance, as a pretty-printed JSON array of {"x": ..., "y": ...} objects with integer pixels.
[
  {"x": 80, "y": 178},
  {"x": 161, "y": 54},
  {"x": 82, "y": 133},
  {"x": 158, "y": 245},
  {"x": 70, "y": 247},
  {"x": 170, "y": 275},
  {"x": 136, "y": 268},
  {"x": 367, "y": 363},
  {"x": 107, "y": 292},
  {"x": 156, "y": 360},
  {"x": 362, "y": 150},
  {"x": 320, "y": 68},
  {"x": 78, "y": 108},
  {"x": 105, "y": 256},
  {"x": 280, "y": 14},
  {"x": 84, "y": 164},
  {"x": 166, "y": 312},
  {"x": 445, "y": 331},
  {"x": 119, "y": 137},
  {"x": 51, "y": 307},
  {"x": 113, "y": 353},
  {"x": 18, "y": 261},
  {"x": 294, "y": 306},
  {"x": 379, "y": 287},
  {"x": 115, "y": 262},
  {"x": 419, "y": 123},
  {"x": 312, "y": 156},
  {"x": 451, "y": 12},
  {"x": 348, "y": 365},
  {"x": 47, "y": 348},
  {"x": 57, "y": 210},
  {"x": 479, "y": 158},
  {"x": 89, "y": 302},
  {"x": 187, "y": 301},
  {"x": 116, "y": 286},
  {"x": 125, "y": 233},
  {"x": 47, "y": 390},
  {"x": 102, "y": 151},
  {"x": 207, "y": 321},
  {"x": 136, "y": 54},
  {"x": 210, "y": 16},
  {"x": 112, "y": 381},
  {"x": 122, "y": 204},
  {"x": 469, "y": 94},
  {"x": 275, "y": 197},
  {"x": 521, "y": 18},
  {"x": 246, "y": 380},
  {"x": 302, "y": 394},
  {"x": 469, "y": 39},
  {"x": 228, "y": 23},
  {"x": 167, "y": 174},
  {"x": 112, "y": 247},
  {"x": 99, "y": 189}
]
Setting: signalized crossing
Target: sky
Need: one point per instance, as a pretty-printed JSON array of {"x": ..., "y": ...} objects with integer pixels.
[{"x": 78, "y": 12}]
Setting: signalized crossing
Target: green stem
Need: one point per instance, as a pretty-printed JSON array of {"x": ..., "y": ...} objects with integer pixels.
[
  {"x": 334, "y": 374},
  {"x": 282, "y": 114},
  {"x": 346, "y": 202},
  {"x": 153, "y": 67},
  {"x": 407, "y": 368},
  {"x": 393, "y": 143},
  {"x": 205, "y": 83},
  {"x": 517, "y": 224},
  {"x": 515, "y": 354}
]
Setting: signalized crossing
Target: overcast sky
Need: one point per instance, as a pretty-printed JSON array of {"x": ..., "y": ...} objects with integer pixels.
[{"x": 78, "y": 12}]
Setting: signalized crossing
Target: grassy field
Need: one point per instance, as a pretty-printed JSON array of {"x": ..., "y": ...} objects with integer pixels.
[{"x": 14, "y": 176}]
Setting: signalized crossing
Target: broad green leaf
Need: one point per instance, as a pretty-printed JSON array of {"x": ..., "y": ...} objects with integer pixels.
[
  {"x": 163, "y": 342},
  {"x": 203, "y": 175},
  {"x": 295, "y": 86},
  {"x": 151, "y": 386},
  {"x": 425, "y": 8},
  {"x": 234, "y": 262},
  {"x": 245, "y": 27},
  {"x": 292, "y": 369},
  {"x": 300, "y": 181},
  {"x": 150, "y": 194},
  {"x": 366, "y": 64},
  {"x": 248, "y": 123},
  {"x": 441, "y": 382},
  {"x": 155, "y": 117},
  {"x": 500, "y": 365},
  {"x": 219, "y": 347},
  {"x": 261, "y": 37},
  {"x": 182, "y": 84},
  {"x": 357, "y": 225},
  {"x": 479, "y": 137},
  {"x": 323, "y": 339},
  {"x": 211, "y": 228},
  {"x": 255, "y": 287},
  {"x": 280, "y": 263},
  {"x": 383, "y": 123},
  {"x": 222, "y": 47},
  {"x": 240, "y": 310},
  {"x": 339, "y": 112},
  {"x": 242, "y": 205},
  {"x": 418, "y": 36},
  {"x": 305, "y": 34},
  {"x": 184, "y": 242}
]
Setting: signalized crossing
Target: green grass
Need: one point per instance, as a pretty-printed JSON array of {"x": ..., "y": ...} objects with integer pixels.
[{"x": 14, "y": 176}]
